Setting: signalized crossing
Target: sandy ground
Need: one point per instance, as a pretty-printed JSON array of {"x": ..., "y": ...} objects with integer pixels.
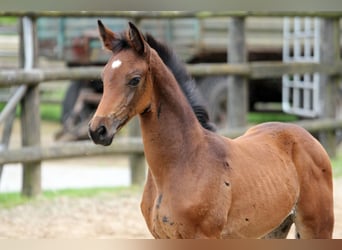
[{"x": 103, "y": 216}]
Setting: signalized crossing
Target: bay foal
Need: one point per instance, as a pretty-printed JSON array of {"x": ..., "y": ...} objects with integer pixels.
[{"x": 200, "y": 184}]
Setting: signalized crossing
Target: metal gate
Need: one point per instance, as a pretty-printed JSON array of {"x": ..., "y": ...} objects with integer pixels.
[{"x": 300, "y": 93}]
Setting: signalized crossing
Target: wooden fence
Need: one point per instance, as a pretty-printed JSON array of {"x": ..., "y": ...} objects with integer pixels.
[{"x": 238, "y": 69}]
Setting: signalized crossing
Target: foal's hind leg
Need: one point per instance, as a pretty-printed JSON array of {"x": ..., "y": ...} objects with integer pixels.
[
  {"x": 282, "y": 231},
  {"x": 314, "y": 224},
  {"x": 314, "y": 211}
]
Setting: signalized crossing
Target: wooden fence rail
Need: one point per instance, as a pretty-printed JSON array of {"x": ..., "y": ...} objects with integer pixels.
[
  {"x": 122, "y": 146},
  {"x": 252, "y": 70},
  {"x": 173, "y": 14}
]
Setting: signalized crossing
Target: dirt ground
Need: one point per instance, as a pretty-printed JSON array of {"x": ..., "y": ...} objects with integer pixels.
[{"x": 103, "y": 216}]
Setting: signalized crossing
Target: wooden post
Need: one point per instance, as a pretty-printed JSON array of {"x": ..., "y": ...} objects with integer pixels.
[
  {"x": 30, "y": 112},
  {"x": 237, "y": 104},
  {"x": 6, "y": 135},
  {"x": 329, "y": 54}
]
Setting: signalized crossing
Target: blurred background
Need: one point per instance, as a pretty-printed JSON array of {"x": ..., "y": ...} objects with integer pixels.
[{"x": 74, "y": 180}]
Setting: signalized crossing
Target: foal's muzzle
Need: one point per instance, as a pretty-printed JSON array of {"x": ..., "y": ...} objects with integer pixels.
[
  {"x": 103, "y": 129},
  {"x": 100, "y": 135}
]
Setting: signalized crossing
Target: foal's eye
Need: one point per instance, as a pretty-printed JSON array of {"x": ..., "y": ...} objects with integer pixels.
[{"x": 134, "y": 81}]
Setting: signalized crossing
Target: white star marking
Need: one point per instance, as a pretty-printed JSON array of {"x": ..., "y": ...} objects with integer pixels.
[{"x": 116, "y": 64}]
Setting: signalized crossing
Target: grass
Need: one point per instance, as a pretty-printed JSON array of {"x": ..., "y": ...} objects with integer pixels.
[
  {"x": 48, "y": 112},
  {"x": 337, "y": 164},
  {"x": 9, "y": 200},
  {"x": 13, "y": 199},
  {"x": 8, "y": 20},
  {"x": 259, "y": 117}
]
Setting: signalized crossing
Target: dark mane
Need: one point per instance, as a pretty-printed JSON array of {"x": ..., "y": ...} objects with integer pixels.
[{"x": 185, "y": 81}]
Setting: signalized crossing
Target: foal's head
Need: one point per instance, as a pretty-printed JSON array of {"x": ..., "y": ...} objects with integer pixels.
[{"x": 126, "y": 83}]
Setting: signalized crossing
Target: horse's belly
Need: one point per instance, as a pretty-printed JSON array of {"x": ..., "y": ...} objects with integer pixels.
[{"x": 261, "y": 201}]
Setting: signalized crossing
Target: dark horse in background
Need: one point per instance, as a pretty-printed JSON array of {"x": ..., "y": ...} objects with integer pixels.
[{"x": 200, "y": 184}]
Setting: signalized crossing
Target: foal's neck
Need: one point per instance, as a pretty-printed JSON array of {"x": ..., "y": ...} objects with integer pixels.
[{"x": 170, "y": 129}]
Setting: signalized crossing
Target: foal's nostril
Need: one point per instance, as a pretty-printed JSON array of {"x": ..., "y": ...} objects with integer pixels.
[
  {"x": 101, "y": 131},
  {"x": 98, "y": 134}
]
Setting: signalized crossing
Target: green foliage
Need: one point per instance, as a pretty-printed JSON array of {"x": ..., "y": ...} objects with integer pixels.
[
  {"x": 8, "y": 20},
  {"x": 9, "y": 200},
  {"x": 337, "y": 164},
  {"x": 259, "y": 117},
  {"x": 90, "y": 192},
  {"x": 50, "y": 112},
  {"x": 2, "y": 105}
]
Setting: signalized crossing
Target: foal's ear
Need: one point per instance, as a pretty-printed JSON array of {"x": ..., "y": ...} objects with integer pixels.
[
  {"x": 107, "y": 36},
  {"x": 137, "y": 39}
]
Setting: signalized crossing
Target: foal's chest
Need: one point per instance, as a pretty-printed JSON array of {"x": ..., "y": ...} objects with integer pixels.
[{"x": 165, "y": 223}]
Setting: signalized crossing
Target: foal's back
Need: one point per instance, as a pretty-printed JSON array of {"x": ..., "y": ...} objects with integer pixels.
[{"x": 282, "y": 165}]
